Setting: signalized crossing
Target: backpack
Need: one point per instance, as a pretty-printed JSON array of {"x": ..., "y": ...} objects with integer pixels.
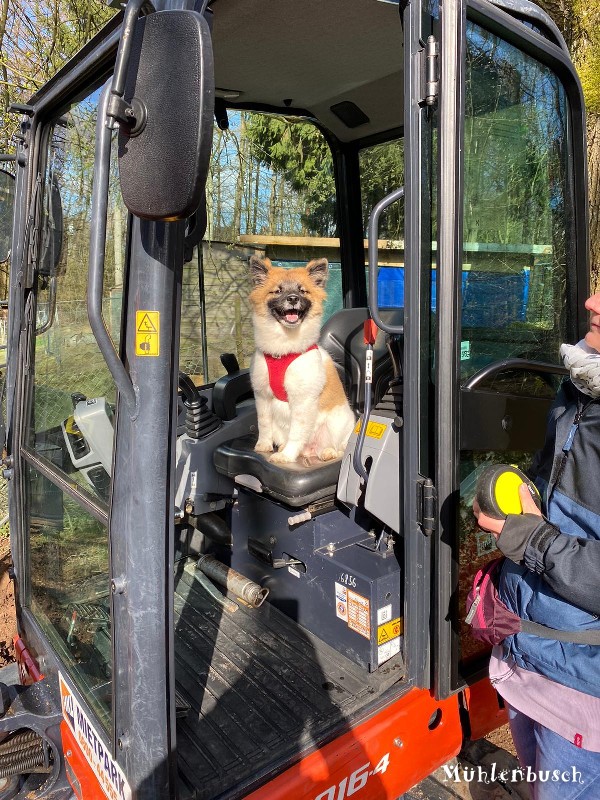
[{"x": 492, "y": 621}]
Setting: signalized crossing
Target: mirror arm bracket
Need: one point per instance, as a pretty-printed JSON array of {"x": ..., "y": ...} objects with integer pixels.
[{"x": 118, "y": 110}]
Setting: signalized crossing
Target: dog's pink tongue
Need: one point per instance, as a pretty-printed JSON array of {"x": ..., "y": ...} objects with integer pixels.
[{"x": 291, "y": 317}]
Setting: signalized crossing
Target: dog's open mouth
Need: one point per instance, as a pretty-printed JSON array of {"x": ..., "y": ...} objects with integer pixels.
[
  {"x": 289, "y": 317},
  {"x": 289, "y": 308}
]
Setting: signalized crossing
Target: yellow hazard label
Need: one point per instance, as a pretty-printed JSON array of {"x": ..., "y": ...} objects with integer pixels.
[
  {"x": 147, "y": 333},
  {"x": 374, "y": 429},
  {"x": 391, "y": 630}
]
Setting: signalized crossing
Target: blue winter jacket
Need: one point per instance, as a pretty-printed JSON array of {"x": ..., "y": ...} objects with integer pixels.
[{"x": 552, "y": 571}]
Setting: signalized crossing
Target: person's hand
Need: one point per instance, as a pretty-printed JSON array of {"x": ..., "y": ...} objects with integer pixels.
[
  {"x": 487, "y": 523},
  {"x": 528, "y": 504},
  {"x": 495, "y": 526}
]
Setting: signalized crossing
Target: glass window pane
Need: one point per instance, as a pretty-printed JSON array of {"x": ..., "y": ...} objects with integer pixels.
[
  {"x": 73, "y": 397},
  {"x": 70, "y": 587},
  {"x": 270, "y": 191},
  {"x": 518, "y": 238},
  {"x": 518, "y": 206},
  {"x": 74, "y": 393},
  {"x": 382, "y": 171}
]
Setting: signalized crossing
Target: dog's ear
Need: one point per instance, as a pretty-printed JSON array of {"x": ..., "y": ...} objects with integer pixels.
[
  {"x": 318, "y": 269},
  {"x": 259, "y": 269}
]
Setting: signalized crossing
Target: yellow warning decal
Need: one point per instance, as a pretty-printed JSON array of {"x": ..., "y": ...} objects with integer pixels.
[
  {"x": 374, "y": 429},
  {"x": 391, "y": 630},
  {"x": 147, "y": 333}
]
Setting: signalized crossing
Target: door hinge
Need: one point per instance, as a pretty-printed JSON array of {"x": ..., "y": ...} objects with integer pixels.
[
  {"x": 426, "y": 505},
  {"x": 432, "y": 71}
]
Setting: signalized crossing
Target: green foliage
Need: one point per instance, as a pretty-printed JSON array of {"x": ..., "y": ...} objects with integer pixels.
[
  {"x": 515, "y": 140},
  {"x": 299, "y": 152},
  {"x": 382, "y": 171}
]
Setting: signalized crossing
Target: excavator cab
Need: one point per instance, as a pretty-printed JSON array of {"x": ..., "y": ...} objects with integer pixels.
[{"x": 195, "y": 621}]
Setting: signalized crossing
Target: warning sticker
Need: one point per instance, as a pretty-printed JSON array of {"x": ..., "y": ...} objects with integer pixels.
[
  {"x": 391, "y": 630},
  {"x": 147, "y": 333},
  {"x": 374, "y": 429},
  {"x": 359, "y": 614},
  {"x": 112, "y": 780},
  {"x": 341, "y": 602},
  {"x": 387, "y": 650}
]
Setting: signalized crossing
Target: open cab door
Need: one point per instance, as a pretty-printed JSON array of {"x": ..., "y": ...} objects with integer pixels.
[
  {"x": 196, "y": 620},
  {"x": 512, "y": 275}
]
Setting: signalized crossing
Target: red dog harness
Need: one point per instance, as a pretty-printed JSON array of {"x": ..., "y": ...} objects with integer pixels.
[{"x": 277, "y": 366}]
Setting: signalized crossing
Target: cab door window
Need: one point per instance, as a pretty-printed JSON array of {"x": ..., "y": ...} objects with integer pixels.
[
  {"x": 72, "y": 401},
  {"x": 518, "y": 246},
  {"x": 518, "y": 236}
]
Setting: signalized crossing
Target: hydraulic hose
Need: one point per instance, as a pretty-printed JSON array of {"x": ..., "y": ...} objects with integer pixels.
[{"x": 214, "y": 527}]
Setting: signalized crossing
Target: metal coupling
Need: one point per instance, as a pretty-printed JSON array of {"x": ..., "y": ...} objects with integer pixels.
[{"x": 242, "y": 587}]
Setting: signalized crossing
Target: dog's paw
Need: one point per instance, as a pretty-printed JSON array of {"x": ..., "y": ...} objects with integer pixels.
[
  {"x": 281, "y": 458},
  {"x": 330, "y": 454},
  {"x": 263, "y": 447}
]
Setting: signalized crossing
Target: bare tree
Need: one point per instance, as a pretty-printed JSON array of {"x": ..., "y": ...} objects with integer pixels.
[
  {"x": 36, "y": 39},
  {"x": 579, "y": 22}
]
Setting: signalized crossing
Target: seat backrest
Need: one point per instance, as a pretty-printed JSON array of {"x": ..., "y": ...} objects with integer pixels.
[{"x": 342, "y": 337}]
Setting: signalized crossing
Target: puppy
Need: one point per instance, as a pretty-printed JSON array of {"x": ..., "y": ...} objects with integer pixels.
[{"x": 300, "y": 401}]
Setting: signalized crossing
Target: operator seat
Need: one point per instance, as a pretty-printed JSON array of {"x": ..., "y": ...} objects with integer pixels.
[{"x": 297, "y": 484}]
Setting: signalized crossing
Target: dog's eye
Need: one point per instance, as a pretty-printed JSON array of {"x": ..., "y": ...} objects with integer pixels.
[
  {"x": 303, "y": 290},
  {"x": 277, "y": 290}
]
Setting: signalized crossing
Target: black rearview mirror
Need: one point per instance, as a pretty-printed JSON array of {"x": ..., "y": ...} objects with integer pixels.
[
  {"x": 7, "y": 204},
  {"x": 165, "y": 126}
]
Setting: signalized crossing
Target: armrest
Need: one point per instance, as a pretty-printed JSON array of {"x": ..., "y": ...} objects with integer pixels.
[{"x": 228, "y": 391}]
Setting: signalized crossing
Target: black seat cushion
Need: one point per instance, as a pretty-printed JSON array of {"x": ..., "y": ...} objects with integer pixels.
[
  {"x": 301, "y": 484},
  {"x": 295, "y": 484}
]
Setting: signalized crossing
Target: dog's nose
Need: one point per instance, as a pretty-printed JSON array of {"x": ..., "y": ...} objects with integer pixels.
[{"x": 293, "y": 298}]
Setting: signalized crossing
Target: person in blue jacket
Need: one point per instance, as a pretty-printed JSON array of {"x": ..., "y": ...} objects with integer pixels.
[{"x": 551, "y": 576}]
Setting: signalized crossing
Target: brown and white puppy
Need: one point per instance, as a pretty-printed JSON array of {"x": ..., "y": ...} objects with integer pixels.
[{"x": 300, "y": 401}]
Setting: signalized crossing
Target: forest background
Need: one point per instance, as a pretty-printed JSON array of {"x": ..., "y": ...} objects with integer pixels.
[{"x": 38, "y": 36}]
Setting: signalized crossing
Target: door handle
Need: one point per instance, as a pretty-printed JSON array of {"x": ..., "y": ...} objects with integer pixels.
[{"x": 373, "y": 235}]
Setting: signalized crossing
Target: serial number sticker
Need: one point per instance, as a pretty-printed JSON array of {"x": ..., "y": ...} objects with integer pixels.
[
  {"x": 147, "y": 333},
  {"x": 384, "y": 614},
  {"x": 374, "y": 429},
  {"x": 359, "y": 614},
  {"x": 110, "y": 777},
  {"x": 387, "y": 650},
  {"x": 341, "y": 602},
  {"x": 391, "y": 630}
]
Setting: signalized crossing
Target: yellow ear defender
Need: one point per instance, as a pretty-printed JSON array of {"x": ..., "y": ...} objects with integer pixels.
[{"x": 497, "y": 491}]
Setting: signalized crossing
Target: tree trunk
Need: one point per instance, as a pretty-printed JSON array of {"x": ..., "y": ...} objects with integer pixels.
[
  {"x": 5, "y": 92},
  {"x": 578, "y": 24},
  {"x": 240, "y": 181},
  {"x": 593, "y": 145}
]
